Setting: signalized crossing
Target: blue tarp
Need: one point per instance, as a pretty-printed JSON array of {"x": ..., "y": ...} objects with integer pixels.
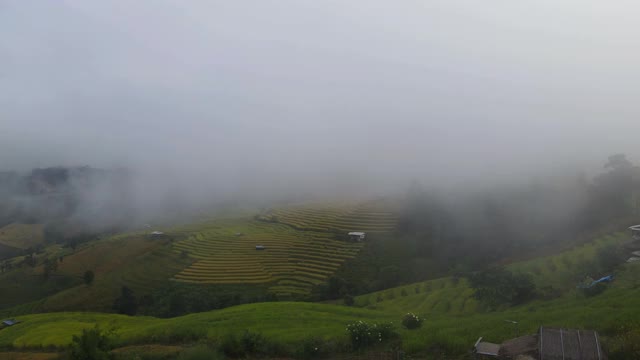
[{"x": 602, "y": 279}]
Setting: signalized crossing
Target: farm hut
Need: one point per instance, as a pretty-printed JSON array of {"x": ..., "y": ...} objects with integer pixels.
[
  {"x": 548, "y": 343},
  {"x": 357, "y": 236},
  {"x": 157, "y": 234},
  {"x": 635, "y": 232},
  {"x": 9, "y": 322},
  {"x": 261, "y": 247},
  {"x": 483, "y": 349}
]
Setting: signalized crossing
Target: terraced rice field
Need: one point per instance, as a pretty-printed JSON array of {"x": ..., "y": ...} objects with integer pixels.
[
  {"x": 292, "y": 263},
  {"x": 370, "y": 217}
]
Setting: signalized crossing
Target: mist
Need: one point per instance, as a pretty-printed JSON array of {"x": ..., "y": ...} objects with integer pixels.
[{"x": 269, "y": 98}]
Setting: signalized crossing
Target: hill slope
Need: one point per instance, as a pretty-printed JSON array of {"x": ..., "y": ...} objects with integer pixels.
[{"x": 453, "y": 319}]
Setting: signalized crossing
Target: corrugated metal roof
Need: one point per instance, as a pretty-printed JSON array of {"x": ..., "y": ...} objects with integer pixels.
[
  {"x": 486, "y": 348},
  {"x": 569, "y": 344}
]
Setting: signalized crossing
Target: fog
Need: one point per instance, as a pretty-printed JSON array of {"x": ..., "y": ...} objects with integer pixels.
[{"x": 270, "y": 97}]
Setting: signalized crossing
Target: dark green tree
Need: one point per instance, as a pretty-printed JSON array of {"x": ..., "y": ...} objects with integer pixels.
[
  {"x": 88, "y": 277},
  {"x": 349, "y": 300},
  {"x": 497, "y": 286},
  {"x": 126, "y": 303}
]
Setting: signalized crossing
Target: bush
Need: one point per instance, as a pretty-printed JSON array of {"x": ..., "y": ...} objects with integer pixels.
[
  {"x": 403, "y": 292},
  {"x": 609, "y": 257},
  {"x": 93, "y": 344},
  {"x": 231, "y": 346},
  {"x": 88, "y": 277},
  {"x": 348, "y": 300},
  {"x": 411, "y": 321},
  {"x": 594, "y": 290},
  {"x": 498, "y": 286},
  {"x": 249, "y": 343},
  {"x": 364, "y": 335},
  {"x": 312, "y": 348}
]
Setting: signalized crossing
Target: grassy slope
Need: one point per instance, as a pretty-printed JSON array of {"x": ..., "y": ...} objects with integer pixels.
[
  {"x": 294, "y": 262},
  {"x": 21, "y": 236},
  {"x": 134, "y": 260},
  {"x": 453, "y": 319},
  {"x": 448, "y": 295},
  {"x": 291, "y": 322}
]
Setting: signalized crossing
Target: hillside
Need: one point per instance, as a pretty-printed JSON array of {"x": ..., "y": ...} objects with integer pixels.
[
  {"x": 21, "y": 236},
  {"x": 454, "y": 319},
  {"x": 216, "y": 256}
]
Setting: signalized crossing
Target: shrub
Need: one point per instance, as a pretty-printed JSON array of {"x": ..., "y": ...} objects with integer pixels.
[
  {"x": 312, "y": 348},
  {"x": 364, "y": 335},
  {"x": 594, "y": 290},
  {"x": 403, "y": 292},
  {"x": 411, "y": 321},
  {"x": 249, "y": 343},
  {"x": 391, "y": 295},
  {"x": 231, "y": 346},
  {"x": 93, "y": 344},
  {"x": 498, "y": 286},
  {"x": 348, "y": 300},
  {"x": 608, "y": 257},
  {"x": 88, "y": 277}
]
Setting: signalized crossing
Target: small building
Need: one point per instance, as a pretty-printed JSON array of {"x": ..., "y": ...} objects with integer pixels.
[
  {"x": 157, "y": 234},
  {"x": 486, "y": 349},
  {"x": 357, "y": 236},
  {"x": 261, "y": 247},
  {"x": 635, "y": 232},
  {"x": 548, "y": 343},
  {"x": 9, "y": 322}
]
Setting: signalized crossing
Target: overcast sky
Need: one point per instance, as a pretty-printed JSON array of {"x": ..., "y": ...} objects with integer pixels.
[{"x": 278, "y": 92}]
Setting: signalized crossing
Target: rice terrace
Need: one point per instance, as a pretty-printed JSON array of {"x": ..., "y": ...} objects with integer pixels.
[{"x": 300, "y": 246}]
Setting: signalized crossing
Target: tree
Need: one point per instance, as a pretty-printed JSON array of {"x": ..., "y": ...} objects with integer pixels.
[
  {"x": 498, "y": 286},
  {"x": 615, "y": 193},
  {"x": 609, "y": 257},
  {"x": 126, "y": 303},
  {"x": 88, "y": 277},
  {"x": 93, "y": 344},
  {"x": 348, "y": 300},
  {"x": 50, "y": 266}
]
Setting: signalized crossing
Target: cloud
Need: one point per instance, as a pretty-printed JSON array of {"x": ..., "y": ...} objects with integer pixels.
[{"x": 301, "y": 94}]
